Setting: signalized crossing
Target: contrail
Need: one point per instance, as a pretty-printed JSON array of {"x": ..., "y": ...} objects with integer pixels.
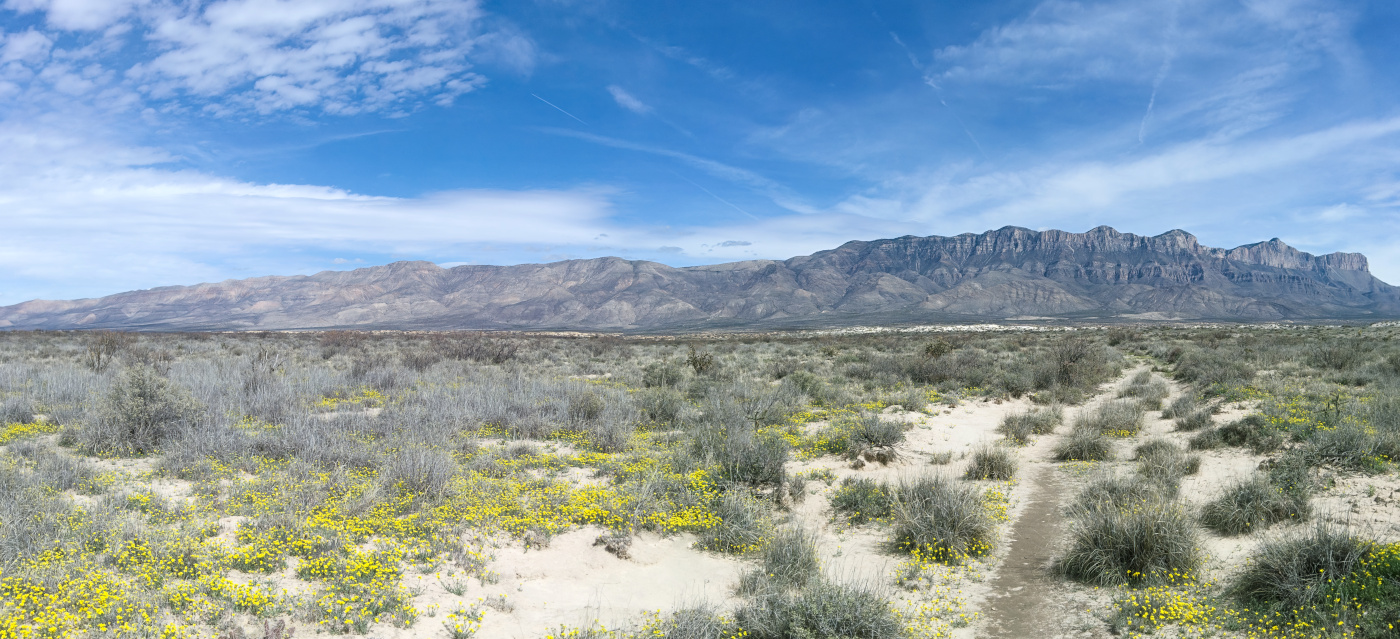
[
  {"x": 707, "y": 192},
  {"x": 1161, "y": 73},
  {"x": 560, "y": 110}
]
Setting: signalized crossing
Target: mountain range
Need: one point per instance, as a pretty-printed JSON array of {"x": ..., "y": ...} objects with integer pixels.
[{"x": 1008, "y": 274}]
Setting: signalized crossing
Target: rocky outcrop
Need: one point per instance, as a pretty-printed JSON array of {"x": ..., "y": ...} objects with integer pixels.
[{"x": 1008, "y": 273}]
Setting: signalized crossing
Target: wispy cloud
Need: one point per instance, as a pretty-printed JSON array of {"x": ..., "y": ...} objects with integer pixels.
[
  {"x": 627, "y": 100},
  {"x": 780, "y": 194}
]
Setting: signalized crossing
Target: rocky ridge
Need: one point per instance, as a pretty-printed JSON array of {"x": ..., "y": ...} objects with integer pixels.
[{"x": 1009, "y": 273}]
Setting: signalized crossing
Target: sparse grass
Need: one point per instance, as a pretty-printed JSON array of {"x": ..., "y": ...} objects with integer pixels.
[{"x": 991, "y": 462}]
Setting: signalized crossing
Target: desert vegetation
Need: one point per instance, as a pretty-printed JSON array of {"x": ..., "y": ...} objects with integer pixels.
[{"x": 423, "y": 484}]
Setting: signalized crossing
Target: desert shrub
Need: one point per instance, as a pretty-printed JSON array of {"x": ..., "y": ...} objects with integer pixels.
[
  {"x": 911, "y": 398},
  {"x": 1253, "y": 504},
  {"x": 62, "y": 472},
  {"x": 1164, "y": 464},
  {"x": 1018, "y": 427},
  {"x": 746, "y": 456},
  {"x": 142, "y": 409},
  {"x": 991, "y": 462},
  {"x": 585, "y": 406},
  {"x": 1151, "y": 541},
  {"x": 699, "y": 622},
  {"x": 870, "y": 431},
  {"x": 1114, "y": 492},
  {"x": 419, "y": 469},
  {"x": 1293, "y": 572},
  {"x": 1195, "y": 420},
  {"x": 1348, "y": 445},
  {"x": 823, "y": 610},
  {"x": 1213, "y": 368},
  {"x": 1084, "y": 445},
  {"x": 1181, "y": 407},
  {"x": 941, "y": 520},
  {"x": 1118, "y": 418},
  {"x": 662, "y": 374},
  {"x": 1338, "y": 355},
  {"x": 809, "y": 384},
  {"x": 16, "y": 410},
  {"x": 1208, "y": 439},
  {"x": 861, "y": 500},
  {"x": 1147, "y": 391},
  {"x": 1291, "y": 473},
  {"x": 787, "y": 561},
  {"x": 699, "y": 361},
  {"x": 663, "y": 405},
  {"x": 1072, "y": 366},
  {"x": 743, "y": 524}
]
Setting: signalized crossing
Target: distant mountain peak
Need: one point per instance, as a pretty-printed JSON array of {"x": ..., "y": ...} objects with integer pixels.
[{"x": 1010, "y": 272}]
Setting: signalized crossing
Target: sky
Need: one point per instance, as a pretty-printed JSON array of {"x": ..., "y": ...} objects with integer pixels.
[{"x": 148, "y": 143}]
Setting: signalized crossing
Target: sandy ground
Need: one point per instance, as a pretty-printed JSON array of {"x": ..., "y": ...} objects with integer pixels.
[{"x": 573, "y": 582}]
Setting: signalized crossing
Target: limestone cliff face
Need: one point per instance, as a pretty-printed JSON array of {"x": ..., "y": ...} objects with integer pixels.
[{"x": 1007, "y": 273}]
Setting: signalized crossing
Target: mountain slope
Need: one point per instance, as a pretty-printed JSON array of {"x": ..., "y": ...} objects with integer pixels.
[{"x": 1008, "y": 273}]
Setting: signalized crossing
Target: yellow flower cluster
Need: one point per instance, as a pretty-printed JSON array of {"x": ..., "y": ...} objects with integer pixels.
[{"x": 16, "y": 431}]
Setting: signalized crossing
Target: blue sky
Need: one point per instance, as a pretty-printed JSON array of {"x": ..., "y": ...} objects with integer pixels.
[{"x": 154, "y": 142}]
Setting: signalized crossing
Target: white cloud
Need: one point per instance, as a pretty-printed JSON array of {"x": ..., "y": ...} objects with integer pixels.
[
  {"x": 263, "y": 56},
  {"x": 627, "y": 100},
  {"x": 90, "y": 213},
  {"x": 78, "y": 15}
]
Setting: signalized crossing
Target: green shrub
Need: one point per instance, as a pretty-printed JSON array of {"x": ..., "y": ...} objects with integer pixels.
[
  {"x": 1149, "y": 542},
  {"x": 991, "y": 462},
  {"x": 1253, "y": 504},
  {"x": 941, "y": 520},
  {"x": 861, "y": 500}
]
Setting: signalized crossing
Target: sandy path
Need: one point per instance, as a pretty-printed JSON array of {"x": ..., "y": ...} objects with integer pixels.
[
  {"x": 1023, "y": 598},
  {"x": 1019, "y": 604}
]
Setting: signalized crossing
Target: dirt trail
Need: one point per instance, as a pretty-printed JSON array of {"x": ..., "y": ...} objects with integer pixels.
[
  {"x": 1020, "y": 604},
  {"x": 1024, "y": 598}
]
